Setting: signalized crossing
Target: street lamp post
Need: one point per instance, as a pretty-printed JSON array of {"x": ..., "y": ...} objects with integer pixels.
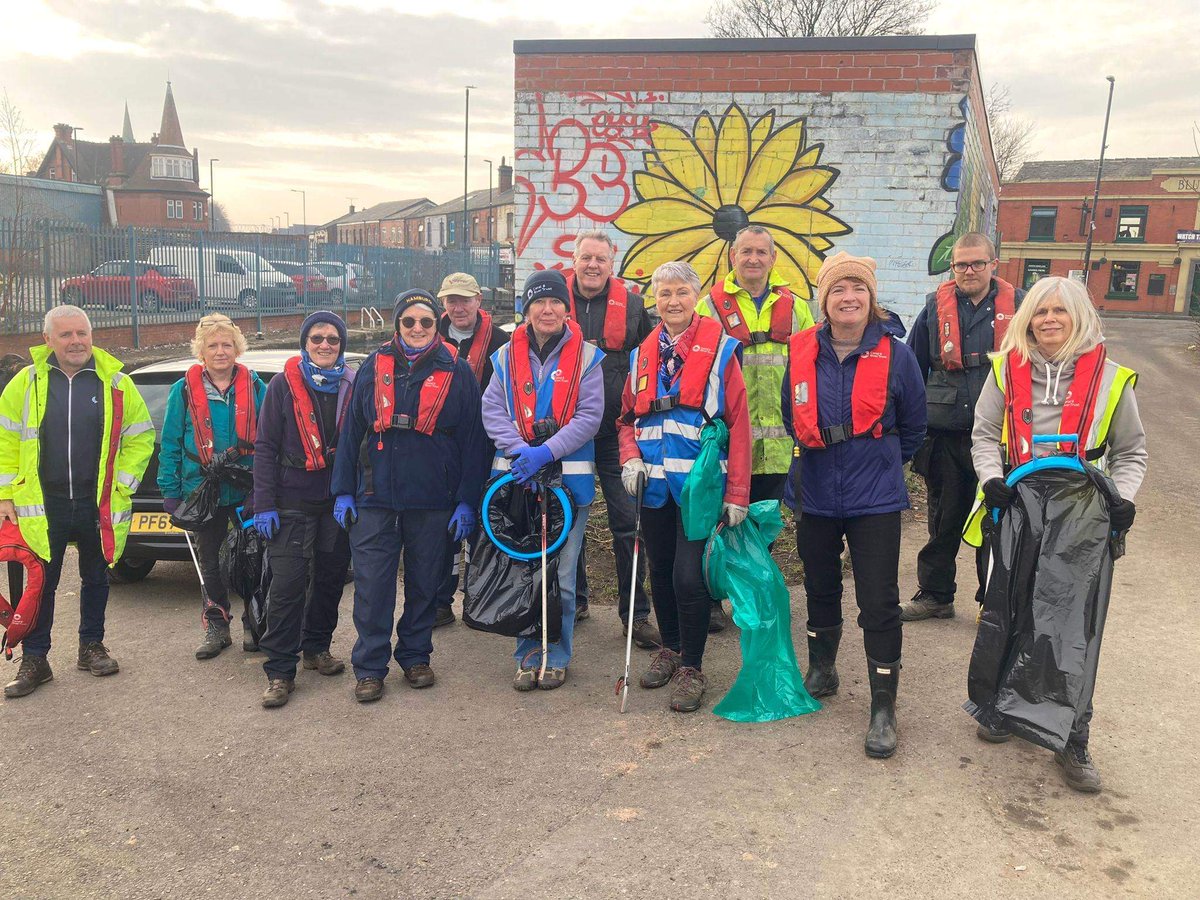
[
  {"x": 212, "y": 196},
  {"x": 75, "y": 150},
  {"x": 287, "y": 220},
  {"x": 1087, "y": 250},
  {"x": 465, "y": 239},
  {"x": 489, "y": 209},
  {"x": 304, "y": 230}
]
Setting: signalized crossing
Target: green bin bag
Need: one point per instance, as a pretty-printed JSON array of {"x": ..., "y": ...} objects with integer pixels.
[
  {"x": 738, "y": 565},
  {"x": 704, "y": 488}
]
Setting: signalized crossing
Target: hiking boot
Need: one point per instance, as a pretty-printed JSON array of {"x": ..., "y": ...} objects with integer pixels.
[
  {"x": 34, "y": 671},
  {"x": 925, "y": 606},
  {"x": 554, "y": 678},
  {"x": 581, "y": 611},
  {"x": 687, "y": 689},
  {"x": 277, "y": 692},
  {"x": 419, "y": 676},
  {"x": 881, "y": 734},
  {"x": 645, "y": 635},
  {"x": 1079, "y": 772},
  {"x": 822, "y": 678},
  {"x": 993, "y": 735},
  {"x": 718, "y": 620},
  {"x": 249, "y": 643},
  {"x": 216, "y": 639},
  {"x": 324, "y": 662},
  {"x": 663, "y": 666},
  {"x": 94, "y": 658},
  {"x": 525, "y": 680},
  {"x": 368, "y": 690},
  {"x": 444, "y": 616}
]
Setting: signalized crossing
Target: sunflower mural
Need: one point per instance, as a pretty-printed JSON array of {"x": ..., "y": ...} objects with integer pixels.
[{"x": 698, "y": 190}]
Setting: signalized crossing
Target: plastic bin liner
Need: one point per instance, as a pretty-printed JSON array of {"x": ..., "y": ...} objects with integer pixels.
[
  {"x": 1033, "y": 668},
  {"x": 245, "y": 566},
  {"x": 504, "y": 595},
  {"x": 738, "y": 565},
  {"x": 201, "y": 504},
  {"x": 704, "y": 487}
]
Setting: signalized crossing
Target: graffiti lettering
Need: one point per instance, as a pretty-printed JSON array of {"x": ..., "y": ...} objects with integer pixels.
[
  {"x": 628, "y": 98},
  {"x": 622, "y": 128}
]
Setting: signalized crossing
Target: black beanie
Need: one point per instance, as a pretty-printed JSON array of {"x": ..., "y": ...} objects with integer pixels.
[
  {"x": 412, "y": 298},
  {"x": 323, "y": 317},
  {"x": 546, "y": 283}
]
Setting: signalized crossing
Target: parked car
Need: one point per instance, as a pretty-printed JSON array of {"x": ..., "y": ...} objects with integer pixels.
[
  {"x": 318, "y": 288},
  {"x": 349, "y": 280},
  {"x": 230, "y": 277},
  {"x": 158, "y": 286},
  {"x": 152, "y": 537}
]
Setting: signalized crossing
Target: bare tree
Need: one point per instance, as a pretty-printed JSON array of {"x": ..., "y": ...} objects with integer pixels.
[
  {"x": 817, "y": 18},
  {"x": 220, "y": 218},
  {"x": 18, "y": 238},
  {"x": 1012, "y": 135}
]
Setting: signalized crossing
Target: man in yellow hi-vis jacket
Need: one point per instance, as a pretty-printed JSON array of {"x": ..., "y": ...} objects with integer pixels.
[{"x": 76, "y": 485}]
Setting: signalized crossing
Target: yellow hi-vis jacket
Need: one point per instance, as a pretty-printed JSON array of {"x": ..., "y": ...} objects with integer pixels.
[
  {"x": 126, "y": 444},
  {"x": 764, "y": 366}
]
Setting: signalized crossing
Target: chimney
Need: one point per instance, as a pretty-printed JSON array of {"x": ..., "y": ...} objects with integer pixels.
[
  {"x": 505, "y": 176},
  {"x": 116, "y": 169},
  {"x": 351, "y": 208},
  {"x": 63, "y": 133}
]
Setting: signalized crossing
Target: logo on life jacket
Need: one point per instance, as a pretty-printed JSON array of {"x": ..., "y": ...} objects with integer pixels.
[{"x": 557, "y": 376}]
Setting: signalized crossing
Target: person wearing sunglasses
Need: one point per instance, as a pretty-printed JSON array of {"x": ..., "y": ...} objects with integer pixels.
[
  {"x": 410, "y": 471},
  {"x": 963, "y": 321},
  {"x": 293, "y": 461}
]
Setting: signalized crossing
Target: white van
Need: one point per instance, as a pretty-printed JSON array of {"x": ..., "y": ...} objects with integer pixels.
[{"x": 239, "y": 278}]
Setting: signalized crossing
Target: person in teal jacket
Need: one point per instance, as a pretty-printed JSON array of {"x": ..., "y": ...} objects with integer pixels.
[{"x": 213, "y": 408}]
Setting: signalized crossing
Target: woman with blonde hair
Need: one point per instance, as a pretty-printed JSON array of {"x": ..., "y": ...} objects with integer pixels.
[
  {"x": 1052, "y": 375},
  {"x": 212, "y": 409}
]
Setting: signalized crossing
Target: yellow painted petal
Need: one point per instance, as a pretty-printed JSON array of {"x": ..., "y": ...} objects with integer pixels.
[
  {"x": 772, "y": 164},
  {"x": 705, "y": 134},
  {"x": 800, "y": 186},
  {"x": 819, "y": 244},
  {"x": 800, "y": 220},
  {"x": 651, "y": 252},
  {"x": 663, "y": 216},
  {"x": 800, "y": 257},
  {"x": 762, "y": 128},
  {"x": 733, "y": 153},
  {"x": 684, "y": 162},
  {"x": 651, "y": 186},
  {"x": 706, "y": 261},
  {"x": 810, "y": 157},
  {"x": 820, "y": 203}
]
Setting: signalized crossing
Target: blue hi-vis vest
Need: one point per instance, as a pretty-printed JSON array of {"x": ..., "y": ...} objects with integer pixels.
[{"x": 579, "y": 468}]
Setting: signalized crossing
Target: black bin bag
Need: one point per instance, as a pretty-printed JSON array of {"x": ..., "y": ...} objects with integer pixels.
[
  {"x": 1033, "y": 668},
  {"x": 246, "y": 569}
]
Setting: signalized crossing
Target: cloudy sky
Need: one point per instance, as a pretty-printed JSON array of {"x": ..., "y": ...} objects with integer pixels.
[{"x": 364, "y": 98}]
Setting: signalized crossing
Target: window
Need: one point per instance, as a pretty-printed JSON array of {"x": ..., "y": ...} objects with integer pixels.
[
  {"x": 442, "y": 233},
  {"x": 508, "y": 226},
  {"x": 1034, "y": 269},
  {"x": 174, "y": 209},
  {"x": 1131, "y": 225},
  {"x": 198, "y": 210},
  {"x": 171, "y": 167},
  {"x": 228, "y": 266},
  {"x": 451, "y": 231},
  {"x": 1156, "y": 285},
  {"x": 1122, "y": 284},
  {"x": 1041, "y": 223}
]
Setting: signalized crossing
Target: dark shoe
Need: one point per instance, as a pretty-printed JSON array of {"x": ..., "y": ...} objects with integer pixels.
[
  {"x": 216, "y": 639},
  {"x": 368, "y": 690},
  {"x": 444, "y": 616},
  {"x": 94, "y": 658},
  {"x": 419, "y": 676},
  {"x": 249, "y": 643},
  {"x": 663, "y": 667},
  {"x": 645, "y": 635},
  {"x": 581, "y": 611},
  {"x": 993, "y": 735},
  {"x": 554, "y": 678},
  {"x": 525, "y": 680},
  {"x": 34, "y": 671},
  {"x": 1079, "y": 772},
  {"x": 718, "y": 620},
  {"x": 277, "y": 692},
  {"x": 687, "y": 689},
  {"x": 324, "y": 662},
  {"x": 925, "y": 606},
  {"x": 881, "y": 735},
  {"x": 822, "y": 678}
]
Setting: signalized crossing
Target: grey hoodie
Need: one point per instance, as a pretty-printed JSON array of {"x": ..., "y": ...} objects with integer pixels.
[{"x": 1127, "y": 455}]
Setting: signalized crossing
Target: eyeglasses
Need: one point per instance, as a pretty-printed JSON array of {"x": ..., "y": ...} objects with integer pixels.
[
  {"x": 331, "y": 339},
  {"x": 975, "y": 265},
  {"x": 412, "y": 322}
]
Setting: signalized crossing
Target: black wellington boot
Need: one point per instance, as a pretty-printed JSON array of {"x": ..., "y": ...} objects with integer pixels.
[
  {"x": 881, "y": 735},
  {"x": 822, "y": 678}
]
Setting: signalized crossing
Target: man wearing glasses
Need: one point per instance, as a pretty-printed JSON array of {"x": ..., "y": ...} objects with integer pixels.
[{"x": 963, "y": 321}]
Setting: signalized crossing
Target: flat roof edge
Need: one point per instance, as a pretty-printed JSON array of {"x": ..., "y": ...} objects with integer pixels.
[{"x": 748, "y": 45}]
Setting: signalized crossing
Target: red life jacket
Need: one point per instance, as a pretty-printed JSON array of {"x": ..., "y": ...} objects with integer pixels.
[
  {"x": 434, "y": 391},
  {"x": 692, "y": 380},
  {"x": 949, "y": 334},
  {"x": 725, "y": 305},
  {"x": 305, "y": 415},
  {"x": 868, "y": 398},
  {"x": 477, "y": 353},
  {"x": 567, "y": 378},
  {"x": 18, "y": 621},
  {"x": 245, "y": 415},
  {"x": 1078, "y": 410},
  {"x": 613, "y": 337}
]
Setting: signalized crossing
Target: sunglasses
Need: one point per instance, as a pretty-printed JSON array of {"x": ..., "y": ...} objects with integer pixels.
[
  {"x": 412, "y": 322},
  {"x": 332, "y": 339}
]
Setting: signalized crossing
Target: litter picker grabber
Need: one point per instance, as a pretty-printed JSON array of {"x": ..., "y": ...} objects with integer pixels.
[
  {"x": 623, "y": 681},
  {"x": 545, "y": 581},
  {"x": 187, "y": 536}
]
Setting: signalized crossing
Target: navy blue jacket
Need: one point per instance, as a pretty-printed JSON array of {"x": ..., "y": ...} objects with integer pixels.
[
  {"x": 414, "y": 470},
  {"x": 864, "y": 475}
]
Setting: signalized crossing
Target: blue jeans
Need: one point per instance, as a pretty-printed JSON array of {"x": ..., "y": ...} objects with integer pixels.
[{"x": 568, "y": 557}]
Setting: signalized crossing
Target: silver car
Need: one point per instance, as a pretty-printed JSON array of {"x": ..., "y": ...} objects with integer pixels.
[{"x": 347, "y": 280}]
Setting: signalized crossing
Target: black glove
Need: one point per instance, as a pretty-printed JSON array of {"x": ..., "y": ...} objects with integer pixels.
[
  {"x": 997, "y": 494},
  {"x": 1121, "y": 516}
]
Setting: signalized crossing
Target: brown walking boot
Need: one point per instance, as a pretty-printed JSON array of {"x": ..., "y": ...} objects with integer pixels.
[
  {"x": 419, "y": 676},
  {"x": 368, "y": 690},
  {"x": 216, "y": 639},
  {"x": 687, "y": 689},
  {"x": 324, "y": 662},
  {"x": 94, "y": 658},
  {"x": 663, "y": 666}
]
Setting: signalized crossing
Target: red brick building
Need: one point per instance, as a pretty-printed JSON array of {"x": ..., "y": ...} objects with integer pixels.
[
  {"x": 1146, "y": 247},
  {"x": 154, "y": 184}
]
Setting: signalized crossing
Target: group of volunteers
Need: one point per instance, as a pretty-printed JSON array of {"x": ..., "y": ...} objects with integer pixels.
[{"x": 362, "y": 467}]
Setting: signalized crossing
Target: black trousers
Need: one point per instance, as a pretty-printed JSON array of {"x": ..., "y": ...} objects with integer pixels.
[
  {"x": 951, "y": 482},
  {"x": 682, "y": 603},
  {"x": 208, "y": 540},
  {"x": 767, "y": 487},
  {"x": 309, "y": 557},
  {"x": 875, "y": 555}
]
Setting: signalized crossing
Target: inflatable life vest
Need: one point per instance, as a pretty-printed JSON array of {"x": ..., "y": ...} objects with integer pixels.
[
  {"x": 567, "y": 379},
  {"x": 246, "y": 416},
  {"x": 613, "y": 337},
  {"x": 1078, "y": 409},
  {"x": 19, "y": 620},
  {"x": 693, "y": 380},
  {"x": 949, "y": 335},
  {"x": 477, "y": 353},
  {"x": 868, "y": 399},
  {"x": 725, "y": 305},
  {"x": 307, "y": 424},
  {"x": 434, "y": 391}
]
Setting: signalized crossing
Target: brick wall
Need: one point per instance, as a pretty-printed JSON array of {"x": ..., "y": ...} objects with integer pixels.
[{"x": 150, "y": 209}]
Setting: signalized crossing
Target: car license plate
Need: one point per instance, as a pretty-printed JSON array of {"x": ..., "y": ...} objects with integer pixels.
[{"x": 152, "y": 523}]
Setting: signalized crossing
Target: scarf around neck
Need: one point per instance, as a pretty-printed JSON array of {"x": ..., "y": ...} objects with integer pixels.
[{"x": 324, "y": 380}]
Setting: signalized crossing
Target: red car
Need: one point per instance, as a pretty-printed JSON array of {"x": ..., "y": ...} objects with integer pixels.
[
  {"x": 318, "y": 287},
  {"x": 107, "y": 285}
]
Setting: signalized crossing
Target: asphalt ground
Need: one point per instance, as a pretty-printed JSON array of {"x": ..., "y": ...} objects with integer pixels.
[{"x": 169, "y": 779}]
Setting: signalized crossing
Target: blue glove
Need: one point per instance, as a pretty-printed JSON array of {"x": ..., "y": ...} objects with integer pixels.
[
  {"x": 266, "y": 523},
  {"x": 529, "y": 462},
  {"x": 462, "y": 522},
  {"x": 345, "y": 513},
  {"x": 170, "y": 504}
]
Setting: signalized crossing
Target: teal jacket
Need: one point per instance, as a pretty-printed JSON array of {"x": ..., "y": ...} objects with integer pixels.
[{"x": 178, "y": 470}]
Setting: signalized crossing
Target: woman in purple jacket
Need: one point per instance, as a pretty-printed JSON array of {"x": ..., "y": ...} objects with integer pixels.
[
  {"x": 293, "y": 461},
  {"x": 854, "y": 401}
]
